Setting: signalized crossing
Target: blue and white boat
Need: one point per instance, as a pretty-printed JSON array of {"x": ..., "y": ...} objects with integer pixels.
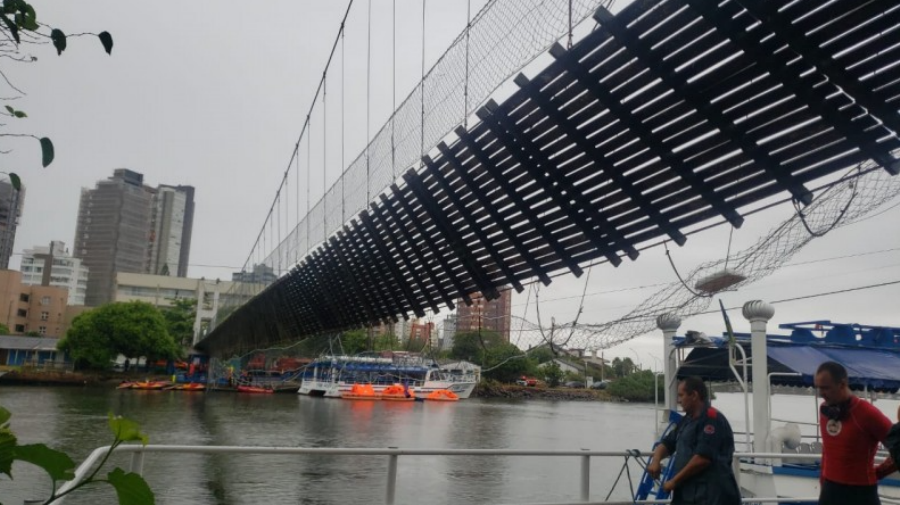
[{"x": 332, "y": 376}]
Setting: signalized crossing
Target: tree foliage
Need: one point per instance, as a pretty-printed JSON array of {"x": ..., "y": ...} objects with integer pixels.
[
  {"x": 637, "y": 387},
  {"x": 133, "y": 329},
  {"x": 505, "y": 362},
  {"x": 20, "y": 28},
  {"x": 473, "y": 345},
  {"x": 553, "y": 374},
  {"x": 180, "y": 319}
]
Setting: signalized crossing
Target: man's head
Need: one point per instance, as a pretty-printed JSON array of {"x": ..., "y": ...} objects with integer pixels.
[
  {"x": 831, "y": 383},
  {"x": 692, "y": 395}
]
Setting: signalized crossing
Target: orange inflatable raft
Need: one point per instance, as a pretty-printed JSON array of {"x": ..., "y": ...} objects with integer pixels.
[
  {"x": 442, "y": 395},
  {"x": 361, "y": 392},
  {"x": 398, "y": 393}
]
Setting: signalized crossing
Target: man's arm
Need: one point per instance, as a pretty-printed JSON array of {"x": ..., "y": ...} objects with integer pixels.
[
  {"x": 654, "y": 468},
  {"x": 696, "y": 465},
  {"x": 886, "y": 468}
]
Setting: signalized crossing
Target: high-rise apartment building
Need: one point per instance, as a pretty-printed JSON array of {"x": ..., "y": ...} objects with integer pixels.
[
  {"x": 493, "y": 315},
  {"x": 171, "y": 222},
  {"x": 53, "y": 266},
  {"x": 125, "y": 226},
  {"x": 26, "y": 309},
  {"x": 11, "y": 203}
]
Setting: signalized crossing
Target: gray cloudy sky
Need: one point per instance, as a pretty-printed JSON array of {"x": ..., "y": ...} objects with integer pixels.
[{"x": 213, "y": 94}]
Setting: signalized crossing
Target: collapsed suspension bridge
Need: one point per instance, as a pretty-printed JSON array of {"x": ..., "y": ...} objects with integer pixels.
[{"x": 661, "y": 119}]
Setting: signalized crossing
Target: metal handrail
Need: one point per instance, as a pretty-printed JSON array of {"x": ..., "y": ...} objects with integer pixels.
[{"x": 393, "y": 454}]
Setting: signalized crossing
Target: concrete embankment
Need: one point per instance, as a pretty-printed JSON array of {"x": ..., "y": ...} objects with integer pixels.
[{"x": 494, "y": 390}]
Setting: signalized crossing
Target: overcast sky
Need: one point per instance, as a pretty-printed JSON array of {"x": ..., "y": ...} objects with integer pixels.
[{"x": 213, "y": 94}]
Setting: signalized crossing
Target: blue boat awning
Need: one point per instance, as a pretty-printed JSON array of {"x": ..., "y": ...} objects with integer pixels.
[{"x": 867, "y": 368}]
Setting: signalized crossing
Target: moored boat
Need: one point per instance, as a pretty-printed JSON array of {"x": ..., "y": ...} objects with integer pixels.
[
  {"x": 254, "y": 389},
  {"x": 333, "y": 376},
  {"x": 191, "y": 386},
  {"x": 150, "y": 385}
]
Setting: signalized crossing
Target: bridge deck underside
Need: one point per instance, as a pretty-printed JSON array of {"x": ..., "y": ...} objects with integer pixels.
[{"x": 667, "y": 115}]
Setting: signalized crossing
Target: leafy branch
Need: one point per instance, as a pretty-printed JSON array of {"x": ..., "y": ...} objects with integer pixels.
[
  {"x": 130, "y": 487},
  {"x": 18, "y": 26}
]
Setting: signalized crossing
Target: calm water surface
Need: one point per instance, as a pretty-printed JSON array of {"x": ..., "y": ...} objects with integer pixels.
[{"x": 74, "y": 420}]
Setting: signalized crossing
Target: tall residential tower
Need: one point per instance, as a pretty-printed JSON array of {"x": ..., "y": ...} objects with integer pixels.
[
  {"x": 11, "y": 202},
  {"x": 125, "y": 226}
]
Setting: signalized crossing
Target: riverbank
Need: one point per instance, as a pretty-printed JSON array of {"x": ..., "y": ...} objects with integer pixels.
[
  {"x": 25, "y": 377},
  {"x": 497, "y": 390}
]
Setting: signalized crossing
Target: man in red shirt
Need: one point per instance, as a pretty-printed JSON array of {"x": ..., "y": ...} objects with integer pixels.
[{"x": 851, "y": 430}]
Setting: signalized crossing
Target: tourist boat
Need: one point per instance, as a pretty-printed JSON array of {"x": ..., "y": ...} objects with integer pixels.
[
  {"x": 333, "y": 376},
  {"x": 871, "y": 355},
  {"x": 442, "y": 395},
  {"x": 255, "y": 389},
  {"x": 361, "y": 392}
]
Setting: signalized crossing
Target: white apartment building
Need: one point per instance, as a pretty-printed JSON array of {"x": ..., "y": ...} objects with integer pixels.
[{"x": 53, "y": 266}]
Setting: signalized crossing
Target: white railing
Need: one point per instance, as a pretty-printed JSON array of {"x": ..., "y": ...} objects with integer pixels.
[{"x": 394, "y": 453}]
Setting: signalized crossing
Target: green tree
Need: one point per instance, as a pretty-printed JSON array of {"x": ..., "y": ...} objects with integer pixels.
[
  {"x": 180, "y": 319},
  {"x": 355, "y": 341},
  {"x": 133, "y": 329},
  {"x": 637, "y": 387},
  {"x": 541, "y": 354},
  {"x": 505, "y": 362},
  {"x": 474, "y": 345},
  {"x": 553, "y": 374},
  {"x": 4, "y": 330},
  {"x": 20, "y": 27}
]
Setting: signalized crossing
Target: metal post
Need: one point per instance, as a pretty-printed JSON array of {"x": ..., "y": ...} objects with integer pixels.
[
  {"x": 758, "y": 313},
  {"x": 669, "y": 324},
  {"x": 392, "y": 478},
  {"x": 137, "y": 462},
  {"x": 586, "y": 477}
]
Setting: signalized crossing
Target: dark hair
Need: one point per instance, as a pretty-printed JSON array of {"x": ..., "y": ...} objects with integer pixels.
[
  {"x": 835, "y": 369},
  {"x": 694, "y": 384}
]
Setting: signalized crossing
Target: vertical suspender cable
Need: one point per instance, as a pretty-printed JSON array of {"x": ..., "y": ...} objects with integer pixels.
[
  {"x": 297, "y": 203},
  {"x": 343, "y": 167},
  {"x": 422, "y": 89},
  {"x": 308, "y": 170},
  {"x": 393, "y": 87},
  {"x": 303, "y": 132},
  {"x": 570, "y": 24},
  {"x": 324, "y": 155},
  {"x": 368, "y": 101},
  {"x": 466, "y": 83}
]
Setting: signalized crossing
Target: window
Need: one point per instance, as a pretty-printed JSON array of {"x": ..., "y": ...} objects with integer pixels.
[
  {"x": 42, "y": 330},
  {"x": 45, "y": 316},
  {"x": 24, "y": 297},
  {"x": 21, "y": 313},
  {"x": 20, "y": 328},
  {"x": 45, "y": 300}
]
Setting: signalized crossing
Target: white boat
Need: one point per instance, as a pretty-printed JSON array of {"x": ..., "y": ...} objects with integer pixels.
[
  {"x": 871, "y": 355},
  {"x": 332, "y": 376}
]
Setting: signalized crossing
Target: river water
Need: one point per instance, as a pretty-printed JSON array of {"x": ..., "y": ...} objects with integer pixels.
[{"x": 74, "y": 420}]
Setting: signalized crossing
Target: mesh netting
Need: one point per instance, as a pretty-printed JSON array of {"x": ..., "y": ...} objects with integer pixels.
[
  {"x": 849, "y": 200},
  {"x": 503, "y": 37}
]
